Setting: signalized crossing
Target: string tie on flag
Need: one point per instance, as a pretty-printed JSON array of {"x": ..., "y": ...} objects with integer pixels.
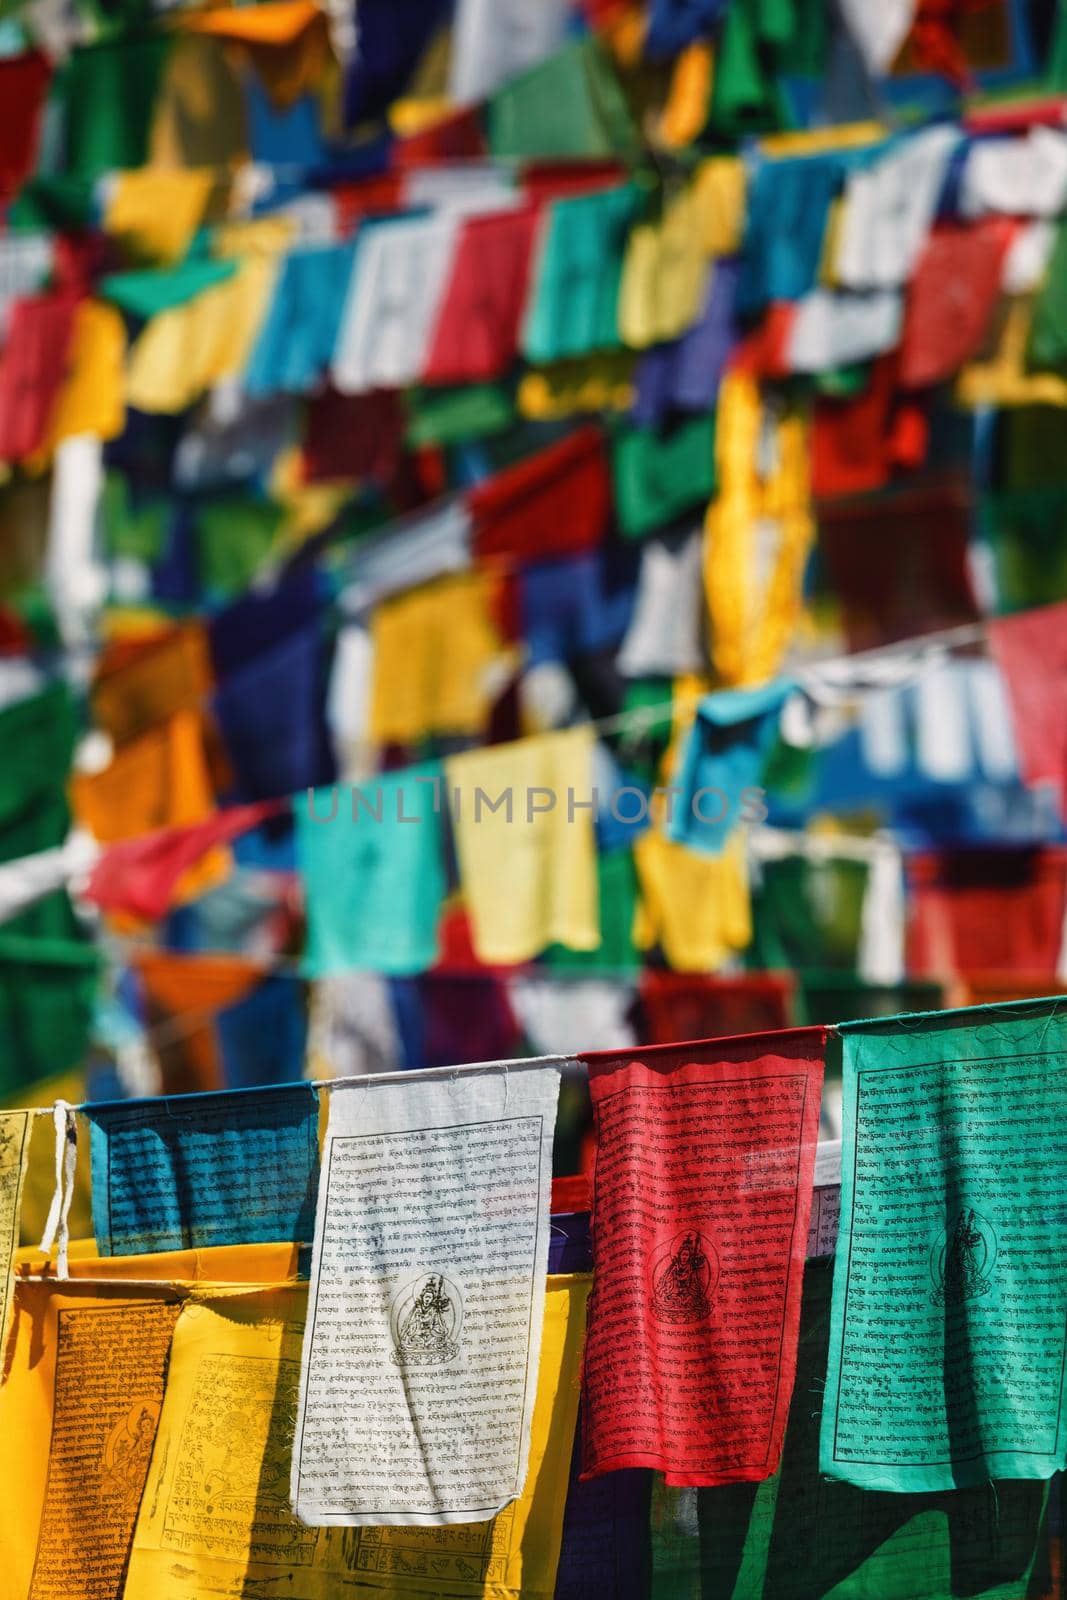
[{"x": 57, "y": 1226}]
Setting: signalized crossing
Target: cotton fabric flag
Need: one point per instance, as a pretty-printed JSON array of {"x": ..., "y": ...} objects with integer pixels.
[
  {"x": 981, "y": 910},
  {"x": 684, "y": 374},
  {"x": 574, "y": 291},
  {"x": 219, "y": 1021},
  {"x": 723, "y": 760},
  {"x": 158, "y": 780},
  {"x": 835, "y": 330},
  {"x": 694, "y": 906},
  {"x": 890, "y": 202},
  {"x": 153, "y": 215},
  {"x": 1016, "y": 177},
  {"x": 476, "y": 330},
  {"x": 658, "y": 476},
  {"x": 272, "y": 714},
  {"x": 494, "y": 40},
  {"x": 92, "y": 397},
  {"x": 527, "y": 867},
  {"x": 352, "y": 1029},
  {"x": 556, "y": 502},
  {"x": 406, "y": 553},
  {"x": 1031, "y": 652},
  {"x": 571, "y": 105},
  {"x": 953, "y": 293},
  {"x": 438, "y": 660},
  {"x": 78, "y": 1413},
  {"x": 558, "y": 1014},
  {"x": 944, "y": 1167},
  {"x": 296, "y": 342},
  {"x": 683, "y": 1005},
  {"x": 14, "y": 1153},
  {"x": 705, "y": 1156},
  {"x": 140, "y": 685},
  {"x": 142, "y": 875},
  {"x": 427, "y": 1280},
  {"x": 250, "y": 1347},
  {"x": 374, "y": 873},
  {"x": 664, "y": 636},
  {"x": 194, "y": 1171},
  {"x": 805, "y": 1534},
  {"x": 394, "y": 293},
  {"x": 47, "y": 993}
]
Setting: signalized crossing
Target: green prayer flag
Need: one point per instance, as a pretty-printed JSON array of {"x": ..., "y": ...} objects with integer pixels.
[
  {"x": 617, "y": 886},
  {"x": 451, "y": 416},
  {"x": 1048, "y": 330},
  {"x": 659, "y": 475},
  {"x": 799, "y": 1536},
  {"x": 37, "y": 737},
  {"x": 372, "y": 859},
  {"x": 948, "y": 1337},
  {"x": 1023, "y": 531},
  {"x": 147, "y": 292},
  {"x": 234, "y": 539},
  {"x": 108, "y": 91},
  {"x": 133, "y": 526},
  {"x": 47, "y": 998},
  {"x": 833, "y": 996},
  {"x": 570, "y": 105},
  {"x": 808, "y": 912},
  {"x": 60, "y": 200}
]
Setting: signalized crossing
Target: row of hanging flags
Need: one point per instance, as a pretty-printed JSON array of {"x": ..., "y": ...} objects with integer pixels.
[
  {"x": 489, "y": 467},
  {"x": 195, "y": 1407}
]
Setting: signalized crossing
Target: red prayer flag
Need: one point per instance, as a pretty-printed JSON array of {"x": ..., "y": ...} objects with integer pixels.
[
  {"x": 898, "y": 564},
  {"x": 24, "y": 83},
  {"x": 141, "y": 875},
  {"x": 32, "y": 369},
  {"x": 1031, "y": 651},
  {"x": 702, "y": 1189},
  {"x": 698, "y": 1005},
  {"x": 477, "y": 332},
  {"x": 951, "y": 298},
  {"x": 849, "y": 438},
  {"x": 985, "y": 910},
  {"x": 354, "y": 436},
  {"x": 554, "y": 503}
]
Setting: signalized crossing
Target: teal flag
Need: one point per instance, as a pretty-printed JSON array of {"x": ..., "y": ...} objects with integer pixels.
[
  {"x": 373, "y": 865},
  {"x": 948, "y": 1340},
  {"x": 800, "y": 1536}
]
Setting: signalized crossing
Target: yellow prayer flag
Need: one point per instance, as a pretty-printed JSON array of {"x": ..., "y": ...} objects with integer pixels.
[
  {"x": 155, "y": 214},
  {"x": 231, "y": 1263},
  {"x": 528, "y": 867},
  {"x": 185, "y": 350},
  {"x": 601, "y": 382},
  {"x": 92, "y": 399},
  {"x": 14, "y": 1155},
  {"x": 215, "y": 1517},
  {"x": 439, "y": 660},
  {"x": 758, "y": 533},
  {"x": 40, "y": 1177},
  {"x": 695, "y": 906},
  {"x": 78, "y": 1412},
  {"x": 685, "y": 114},
  {"x": 664, "y": 275}
]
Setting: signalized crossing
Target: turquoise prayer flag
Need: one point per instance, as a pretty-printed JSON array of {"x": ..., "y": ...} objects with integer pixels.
[
  {"x": 948, "y": 1338},
  {"x": 374, "y": 872}
]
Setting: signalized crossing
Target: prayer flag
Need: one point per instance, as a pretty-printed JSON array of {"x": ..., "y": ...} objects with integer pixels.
[{"x": 705, "y": 1157}]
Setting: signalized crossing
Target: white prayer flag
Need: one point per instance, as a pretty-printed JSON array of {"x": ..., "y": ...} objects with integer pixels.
[{"x": 423, "y": 1336}]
